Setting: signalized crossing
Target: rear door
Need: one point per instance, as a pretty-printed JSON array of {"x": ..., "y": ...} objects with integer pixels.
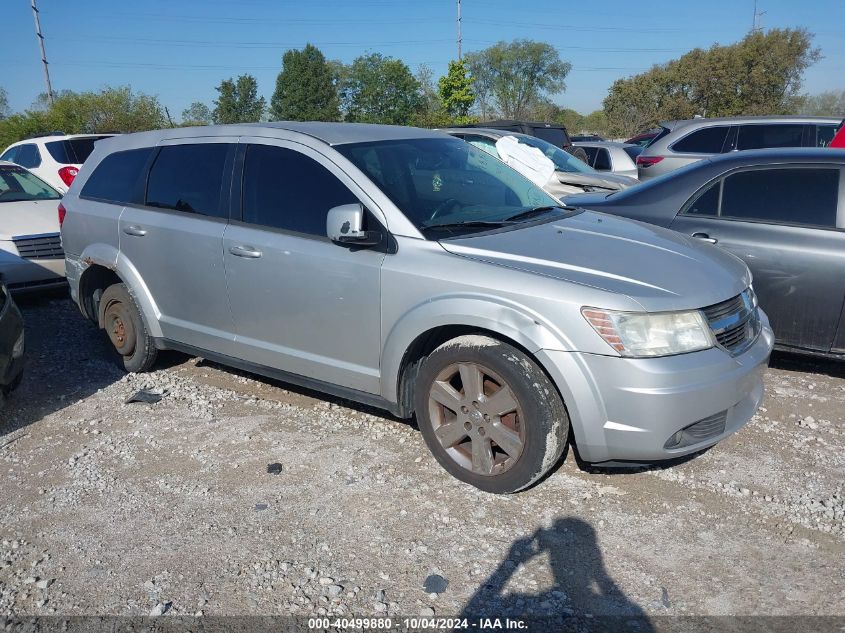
[
  {"x": 175, "y": 240},
  {"x": 782, "y": 222},
  {"x": 301, "y": 303}
]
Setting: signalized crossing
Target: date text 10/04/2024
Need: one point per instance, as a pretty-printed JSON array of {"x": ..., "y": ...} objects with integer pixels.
[{"x": 412, "y": 624}]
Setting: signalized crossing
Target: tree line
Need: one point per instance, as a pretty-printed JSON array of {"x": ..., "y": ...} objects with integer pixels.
[{"x": 761, "y": 74}]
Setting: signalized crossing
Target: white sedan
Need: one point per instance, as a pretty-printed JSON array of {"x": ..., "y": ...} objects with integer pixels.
[{"x": 29, "y": 230}]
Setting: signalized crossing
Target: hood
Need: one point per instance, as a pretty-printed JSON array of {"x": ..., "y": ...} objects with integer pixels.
[
  {"x": 586, "y": 200},
  {"x": 603, "y": 180},
  {"x": 32, "y": 217},
  {"x": 658, "y": 268}
]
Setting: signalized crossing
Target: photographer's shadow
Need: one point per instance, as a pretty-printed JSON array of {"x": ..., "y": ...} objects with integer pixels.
[{"x": 582, "y": 592}]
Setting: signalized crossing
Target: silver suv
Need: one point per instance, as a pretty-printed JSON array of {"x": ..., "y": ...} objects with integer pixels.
[
  {"x": 680, "y": 143},
  {"x": 408, "y": 270}
]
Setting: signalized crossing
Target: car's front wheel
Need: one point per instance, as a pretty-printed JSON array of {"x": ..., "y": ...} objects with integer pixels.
[{"x": 489, "y": 414}]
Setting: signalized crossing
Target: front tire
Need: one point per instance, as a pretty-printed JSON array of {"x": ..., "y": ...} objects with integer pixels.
[
  {"x": 489, "y": 414},
  {"x": 120, "y": 317}
]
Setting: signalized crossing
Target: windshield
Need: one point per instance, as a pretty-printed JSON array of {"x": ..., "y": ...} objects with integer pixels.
[
  {"x": 17, "y": 185},
  {"x": 443, "y": 183},
  {"x": 564, "y": 161}
]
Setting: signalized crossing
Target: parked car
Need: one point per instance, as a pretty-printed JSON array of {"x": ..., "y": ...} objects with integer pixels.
[
  {"x": 411, "y": 271},
  {"x": 571, "y": 175},
  {"x": 680, "y": 143},
  {"x": 12, "y": 342},
  {"x": 29, "y": 230},
  {"x": 56, "y": 158},
  {"x": 782, "y": 212},
  {"x": 553, "y": 133},
  {"x": 582, "y": 138},
  {"x": 618, "y": 158},
  {"x": 642, "y": 139}
]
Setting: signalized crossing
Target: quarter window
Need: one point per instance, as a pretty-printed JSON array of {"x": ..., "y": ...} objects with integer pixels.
[
  {"x": 117, "y": 177},
  {"x": 707, "y": 202},
  {"x": 824, "y": 135},
  {"x": 708, "y": 140},
  {"x": 189, "y": 178},
  {"x": 760, "y": 136},
  {"x": 287, "y": 190},
  {"x": 603, "y": 160},
  {"x": 791, "y": 196}
]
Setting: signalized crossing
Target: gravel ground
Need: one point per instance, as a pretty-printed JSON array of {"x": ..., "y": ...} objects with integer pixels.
[{"x": 139, "y": 509}]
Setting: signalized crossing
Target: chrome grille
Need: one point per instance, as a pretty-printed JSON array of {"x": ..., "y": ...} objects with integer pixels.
[
  {"x": 735, "y": 322},
  {"x": 47, "y": 246}
]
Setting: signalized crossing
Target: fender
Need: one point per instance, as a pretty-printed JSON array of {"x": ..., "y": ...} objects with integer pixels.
[
  {"x": 492, "y": 313},
  {"x": 109, "y": 257}
]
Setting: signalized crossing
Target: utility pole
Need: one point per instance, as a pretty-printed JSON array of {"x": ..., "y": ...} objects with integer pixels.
[
  {"x": 754, "y": 23},
  {"x": 460, "y": 40},
  {"x": 43, "y": 52}
]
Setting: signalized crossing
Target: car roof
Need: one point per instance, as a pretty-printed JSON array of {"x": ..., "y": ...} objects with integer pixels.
[
  {"x": 61, "y": 137},
  {"x": 489, "y": 131},
  {"x": 737, "y": 120},
  {"x": 603, "y": 144},
  {"x": 780, "y": 155}
]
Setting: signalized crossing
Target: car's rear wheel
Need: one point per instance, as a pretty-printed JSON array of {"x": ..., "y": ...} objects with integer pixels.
[
  {"x": 489, "y": 414},
  {"x": 122, "y": 321}
]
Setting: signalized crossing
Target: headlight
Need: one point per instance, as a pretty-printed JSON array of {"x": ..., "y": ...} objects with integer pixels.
[{"x": 643, "y": 334}]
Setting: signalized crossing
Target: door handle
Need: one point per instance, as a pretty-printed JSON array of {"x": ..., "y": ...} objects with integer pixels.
[
  {"x": 245, "y": 251},
  {"x": 137, "y": 231},
  {"x": 705, "y": 238}
]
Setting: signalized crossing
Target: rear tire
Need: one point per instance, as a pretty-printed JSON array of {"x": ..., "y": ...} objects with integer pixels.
[
  {"x": 489, "y": 414},
  {"x": 134, "y": 348}
]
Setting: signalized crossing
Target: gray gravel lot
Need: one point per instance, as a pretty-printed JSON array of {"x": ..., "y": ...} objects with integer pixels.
[{"x": 137, "y": 509}]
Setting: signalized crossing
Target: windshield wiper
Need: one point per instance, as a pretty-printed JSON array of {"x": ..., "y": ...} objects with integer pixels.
[
  {"x": 466, "y": 224},
  {"x": 530, "y": 213}
]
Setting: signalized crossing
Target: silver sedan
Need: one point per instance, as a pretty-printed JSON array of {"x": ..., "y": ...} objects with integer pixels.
[{"x": 607, "y": 156}]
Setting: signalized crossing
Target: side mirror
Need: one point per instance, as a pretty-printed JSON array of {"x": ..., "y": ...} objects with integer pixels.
[{"x": 345, "y": 225}]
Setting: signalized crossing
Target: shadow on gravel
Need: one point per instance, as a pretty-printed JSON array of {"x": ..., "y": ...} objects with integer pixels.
[
  {"x": 583, "y": 593},
  {"x": 788, "y": 361},
  {"x": 67, "y": 359}
]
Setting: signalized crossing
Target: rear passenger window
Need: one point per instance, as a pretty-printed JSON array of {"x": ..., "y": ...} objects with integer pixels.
[
  {"x": 287, "y": 190},
  {"x": 117, "y": 178},
  {"x": 769, "y": 135},
  {"x": 708, "y": 140},
  {"x": 603, "y": 160},
  {"x": 28, "y": 156},
  {"x": 790, "y": 196},
  {"x": 707, "y": 202},
  {"x": 189, "y": 178}
]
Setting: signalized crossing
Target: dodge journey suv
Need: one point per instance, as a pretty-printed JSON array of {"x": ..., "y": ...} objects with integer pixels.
[{"x": 409, "y": 270}]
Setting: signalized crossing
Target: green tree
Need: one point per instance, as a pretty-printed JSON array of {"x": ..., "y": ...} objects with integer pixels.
[
  {"x": 305, "y": 88},
  {"x": 4, "y": 103},
  {"x": 761, "y": 74},
  {"x": 379, "y": 89},
  {"x": 430, "y": 111},
  {"x": 238, "y": 101},
  {"x": 455, "y": 91},
  {"x": 511, "y": 79},
  {"x": 595, "y": 122},
  {"x": 830, "y": 103},
  {"x": 196, "y": 114}
]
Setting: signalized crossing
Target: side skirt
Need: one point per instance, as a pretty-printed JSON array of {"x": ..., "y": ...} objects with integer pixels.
[{"x": 338, "y": 391}]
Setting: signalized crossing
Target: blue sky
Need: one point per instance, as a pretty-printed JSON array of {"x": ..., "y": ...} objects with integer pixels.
[{"x": 180, "y": 49}]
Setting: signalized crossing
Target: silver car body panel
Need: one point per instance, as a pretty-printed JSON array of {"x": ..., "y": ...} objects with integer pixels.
[
  {"x": 345, "y": 318},
  {"x": 620, "y": 162}
]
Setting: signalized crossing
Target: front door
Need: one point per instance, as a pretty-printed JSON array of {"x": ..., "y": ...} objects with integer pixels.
[
  {"x": 782, "y": 223},
  {"x": 300, "y": 302},
  {"x": 175, "y": 241}
]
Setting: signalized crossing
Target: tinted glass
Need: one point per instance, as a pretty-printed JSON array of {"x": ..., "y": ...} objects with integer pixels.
[
  {"x": 708, "y": 140},
  {"x": 18, "y": 185},
  {"x": 189, "y": 178},
  {"x": 117, "y": 177},
  {"x": 707, "y": 203},
  {"x": 72, "y": 151},
  {"x": 633, "y": 151},
  {"x": 769, "y": 135},
  {"x": 9, "y": 154},
  {"x": 792, "y": 196},
  {"x": 591, "y": 154},
  {"x": 438, "y": 182},
  {"x": 287, "y": 190},
  {"x": 553, "y": 135},
  {"x": 28, "y": 156},
  {"x": 603, "y": 160},
  {"x": 825, "y": 134}
]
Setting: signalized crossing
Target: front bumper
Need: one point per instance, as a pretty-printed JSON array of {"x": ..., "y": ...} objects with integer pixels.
[
  {"x": 625, "y": 409},
  {"x": 11, "y": 329},
  {"x": 33, "y": 274}
]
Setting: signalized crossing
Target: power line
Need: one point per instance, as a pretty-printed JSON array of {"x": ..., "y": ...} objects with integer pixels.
[{"x": 43, "y": 52}]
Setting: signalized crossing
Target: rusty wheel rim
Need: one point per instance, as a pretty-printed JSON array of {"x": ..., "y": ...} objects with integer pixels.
[
  {"x": 119, "y": 327},
  {"x": 477, "y": 419}
]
